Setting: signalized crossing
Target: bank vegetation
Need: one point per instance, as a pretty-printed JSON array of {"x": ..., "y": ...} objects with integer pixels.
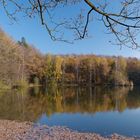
[{"x": 22, "y": 64}]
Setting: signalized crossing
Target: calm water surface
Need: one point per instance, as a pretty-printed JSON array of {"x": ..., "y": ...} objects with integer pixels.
[{"x": 86, "y": 109}]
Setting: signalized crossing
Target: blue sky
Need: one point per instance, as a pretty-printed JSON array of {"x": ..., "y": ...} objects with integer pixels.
[{"x": 36, "y": 35}]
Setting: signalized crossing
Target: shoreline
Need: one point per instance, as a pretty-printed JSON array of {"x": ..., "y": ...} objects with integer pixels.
[{"x": 15, "y": 130}]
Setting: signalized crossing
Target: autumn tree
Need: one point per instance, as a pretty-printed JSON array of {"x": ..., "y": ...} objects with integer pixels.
[
  {"x": 133, "y": 70},
  {"x": 57, "y": 68},
  {"x": 48, "y": 67},
  {"x": 104, "y": 69},
  {"x": 71, "y": 69},
  {"x": 9, "y": 60},
  {"x": 34, "y": 64}
]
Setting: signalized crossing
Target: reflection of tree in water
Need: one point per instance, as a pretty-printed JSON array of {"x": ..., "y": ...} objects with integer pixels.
[
  {"x": 133, "y": 99},
  {"x": 96, "y": 100},
  {"x": 12, "y": 105},
  {"x": 31, "y": 104}
]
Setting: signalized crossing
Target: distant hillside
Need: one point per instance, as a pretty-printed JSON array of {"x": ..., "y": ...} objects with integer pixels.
[{"x": 21, "y": 63}]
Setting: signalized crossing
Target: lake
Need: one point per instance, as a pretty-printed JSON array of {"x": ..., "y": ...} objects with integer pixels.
[{"x": 102, "y": 110}]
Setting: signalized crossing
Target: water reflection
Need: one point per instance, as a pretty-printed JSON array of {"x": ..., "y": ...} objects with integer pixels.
[{"x": 102, "y": 110}]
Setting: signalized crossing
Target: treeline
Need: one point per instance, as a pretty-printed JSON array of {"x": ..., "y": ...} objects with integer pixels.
[{"x": 21, "y": 63}]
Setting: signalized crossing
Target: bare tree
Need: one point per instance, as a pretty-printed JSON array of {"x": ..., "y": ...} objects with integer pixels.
[{"x": 120, "y": 17}]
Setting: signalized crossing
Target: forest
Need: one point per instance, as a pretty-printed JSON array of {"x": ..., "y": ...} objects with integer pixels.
[{"x": 22, "y": 64}]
